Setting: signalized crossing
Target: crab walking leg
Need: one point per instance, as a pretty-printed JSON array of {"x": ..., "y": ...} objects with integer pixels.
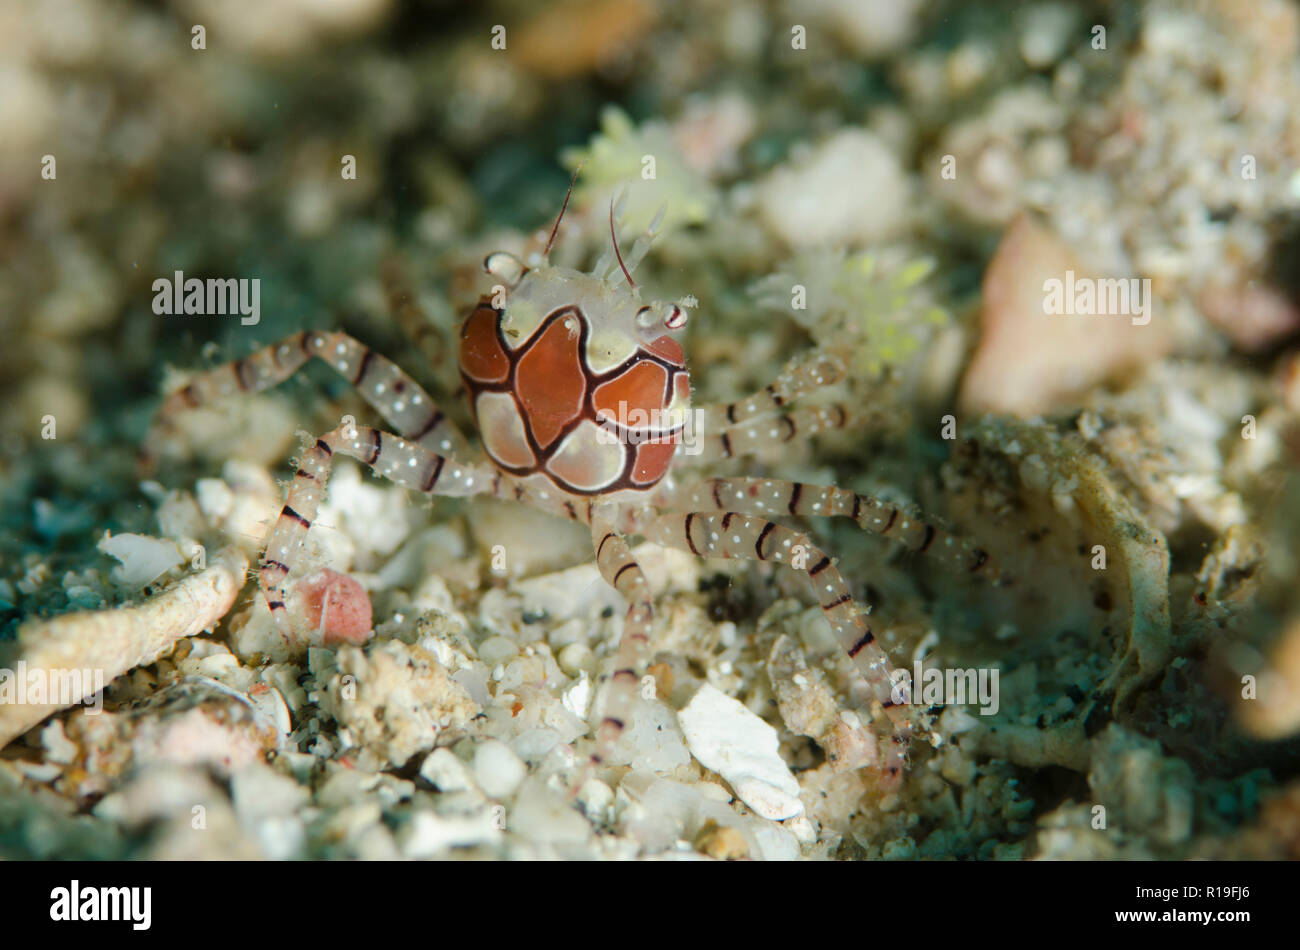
[
  {"x": 804, "y": 374},
  {"x": 401, "y": 401},
  {"x": 768, "y": 497},
  {"x": 621, "y": 571},
  {"x": 401, "y": 461},
  {"x": 732, "y": 535},
  {"x": 761, "y": 433},
  {"x": 548, "y": 499}
]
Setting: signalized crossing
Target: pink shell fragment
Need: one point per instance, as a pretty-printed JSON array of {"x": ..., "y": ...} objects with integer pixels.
[{"x": 336, "y": 605}]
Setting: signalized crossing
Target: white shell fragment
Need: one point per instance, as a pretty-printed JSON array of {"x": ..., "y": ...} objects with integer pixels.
[
  {"x": 729, "y": 739},
  {"x": 144, "y": 559}
]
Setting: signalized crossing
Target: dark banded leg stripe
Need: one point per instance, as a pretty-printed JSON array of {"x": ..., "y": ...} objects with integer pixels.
[
  {"x": 365, "y": 365},
  {"x": 601, "y": 547},
  {"x": 434, "y": 474},
  {"x": 861, "y": 644},
  {"x": 428, "y": 426}
]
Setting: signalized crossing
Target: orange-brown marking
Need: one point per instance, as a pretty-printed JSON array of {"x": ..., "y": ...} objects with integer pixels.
[
  {"x": 481, "y": 355},
  {"x": 641, "y": 387},
  {"x": 652, "y": 461},
  {"x": 550, "y": 383}
]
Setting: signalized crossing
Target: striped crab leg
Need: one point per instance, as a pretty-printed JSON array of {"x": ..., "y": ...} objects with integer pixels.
[
  {"x": 624, "y": 574},
  {"x": 806, "y": 373},
  {"x": 543, "y": 496},
  {"x": 767, "y": 497},
  {"x": 397, "y": 397},
  {"x": 757, "y": 434},
  {"x": 731, "y": 535},
  {"x": 399, "y": 460},
  {"x": 620, "y": 570}
]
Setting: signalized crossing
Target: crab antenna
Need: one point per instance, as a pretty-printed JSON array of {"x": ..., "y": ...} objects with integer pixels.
[
  {"x": 630, "y": 282},
  {"x": 564, "y": 207}
]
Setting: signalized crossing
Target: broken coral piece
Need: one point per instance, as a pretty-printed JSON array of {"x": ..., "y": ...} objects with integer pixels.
[{"x": 101, "y": 645}]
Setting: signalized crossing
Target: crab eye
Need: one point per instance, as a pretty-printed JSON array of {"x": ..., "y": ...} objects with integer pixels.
[
  {"x": 504, "y": 266},
  {"x": 645, "y": 318},
  {"x": 676, "y": 318}
]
